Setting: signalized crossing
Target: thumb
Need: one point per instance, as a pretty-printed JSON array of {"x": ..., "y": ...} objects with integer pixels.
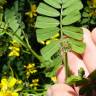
[
  {"x": 61, "y": 90},
  {"x": 94, "y": 35},
  {"x": 89, "y": 56}
]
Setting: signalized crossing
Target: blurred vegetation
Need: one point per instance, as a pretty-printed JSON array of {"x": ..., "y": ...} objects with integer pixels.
[{"x": 24, "y": 71}]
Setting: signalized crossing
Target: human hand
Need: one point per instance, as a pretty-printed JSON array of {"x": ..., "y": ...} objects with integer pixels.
[{"x": 87, "y": 61}]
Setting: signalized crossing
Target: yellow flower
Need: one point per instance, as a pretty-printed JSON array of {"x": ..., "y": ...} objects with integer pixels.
[
  {"x": 50, "y": 40},
  {"x": 14, "y": 53},
  {"x": 15, "y": 49},
  {"x": 54, "y": 79},
  {"x": 11, "y": 82},
  {"x": 42, "y": 42},
  {"x": 15, "y": 94},
  {"x": 7, "y": 83},
  {"x": 32, "y": 12},
  {"x": 19, "y": 81},
  {"x": 55, "y": 36},
  {"x": 8, "y": 88},
  {"x": 4, "y": 84},
  {"x": 1, "y": 93},
  {"x": 8, "y": 93},
  {"x": 30, "y": 69},
  {"x": 34, "y": 83}
]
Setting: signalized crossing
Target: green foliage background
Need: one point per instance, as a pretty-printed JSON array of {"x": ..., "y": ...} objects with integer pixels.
[{"x": 30, "y": 26}]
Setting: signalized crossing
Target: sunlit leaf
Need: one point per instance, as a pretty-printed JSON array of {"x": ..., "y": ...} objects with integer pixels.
[
  {"x": 77, "y": 46},
  {"x": 54, "y": 3},
  {"x": 46, "y": 33},
  {"x": 44, "y": 9},
  {"x": 50, "y": 49},
  {"x": 71, "y": 18},
  {"x": 46, "y": 22},
  {"x": 71, "y": 32}
]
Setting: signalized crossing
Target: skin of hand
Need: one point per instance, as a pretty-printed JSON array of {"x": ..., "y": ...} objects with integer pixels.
[{"x": 87, "y": 61}]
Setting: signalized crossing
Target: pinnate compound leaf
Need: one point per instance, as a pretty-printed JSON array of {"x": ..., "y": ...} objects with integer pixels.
[
  {"x": 47, "y": 10},
  {"x": 46, "y": 22}
]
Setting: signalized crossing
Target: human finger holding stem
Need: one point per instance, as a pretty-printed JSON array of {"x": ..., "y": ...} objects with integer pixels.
[{"x": 87, "y": 62}]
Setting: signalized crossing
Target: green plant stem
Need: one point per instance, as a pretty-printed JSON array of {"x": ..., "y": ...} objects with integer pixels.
[
  {"x": 31, "y": 50},
  {"x": 11, "y": 70},
  {"x": 12, "y": 73},
  {"x": 34, "y": 53},
  {"x": 63, "y": 53},
  {"x": 65, "y": 61}
]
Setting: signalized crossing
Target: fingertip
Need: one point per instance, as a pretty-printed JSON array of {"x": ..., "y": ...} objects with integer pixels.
[
  {"x": 94, "y": 35},
  {"x": 60, "y": 74},
  {"x": 86, "y": 36},
  {"x": 62, "y": 90},
  {"x": 89, "y": 56}
]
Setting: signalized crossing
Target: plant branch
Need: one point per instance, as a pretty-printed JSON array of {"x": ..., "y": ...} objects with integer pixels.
[
  {"x": 63, "y": 52},
  {"x": 31, "y": 50}
]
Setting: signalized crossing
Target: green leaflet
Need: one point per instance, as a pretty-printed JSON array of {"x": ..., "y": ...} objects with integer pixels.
[
  {"x": 11, "y": 20},
  {"x": 54, "y": 3},
  {"x": 44, "y": 10},
  {"x": 50, "y": 49},
  {"x": 3, "y": 28},
  {"x": 72, "y": 33},
  {"x": 46, "y": 22},
  {"x": 85, "y": 14},
  {"x": 64, "y": 1},
  {"x": 71, "y": 18},
  {"x": 77, "y": 46},
  {"x": 77, "y": 49},
  {"x": 81, "y": 72},
  {"x": 73, "y": 80},
  {"x": 46, "y": 33},
  {"x": 68, "y": 3},
  {"x": 54, "y": 66},
  {"x": 74, "y": 29},
  {"x": 74, "y": 7}
]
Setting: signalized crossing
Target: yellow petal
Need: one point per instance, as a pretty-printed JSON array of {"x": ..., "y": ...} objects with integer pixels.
[
  {"x": 13, "y": 53},
  {"x": 1, "y": 93},
  {"x": 48, "y": 42},
  {"x": 15, "y": 94},
  {"x": 4, "y": 84},
  {"x": 55, "y": 36},
  {"x": 42, "y": 42},
  {"x": 12, "y": 82},
  {"x": 54, "y": 79}
]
